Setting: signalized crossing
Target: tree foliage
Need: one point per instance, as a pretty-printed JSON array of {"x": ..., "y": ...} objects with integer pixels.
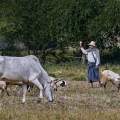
[{"x": 57, "y": 24}]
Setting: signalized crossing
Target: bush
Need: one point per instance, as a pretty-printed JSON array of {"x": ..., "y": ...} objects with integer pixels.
[
  {"x": 11, "y": 53},
  {"x": 111, "y": 55}
]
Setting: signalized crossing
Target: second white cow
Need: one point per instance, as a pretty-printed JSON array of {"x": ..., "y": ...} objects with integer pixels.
[{"x": 108, "y": 75}]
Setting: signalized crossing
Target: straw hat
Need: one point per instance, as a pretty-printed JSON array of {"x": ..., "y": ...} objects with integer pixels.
[{"x": 92, "y": 43}]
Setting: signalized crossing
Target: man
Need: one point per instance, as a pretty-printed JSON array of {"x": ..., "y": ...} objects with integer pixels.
[{"x": 93, "y": 58}]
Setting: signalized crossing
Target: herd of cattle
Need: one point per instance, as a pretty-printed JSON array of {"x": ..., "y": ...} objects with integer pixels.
[{"x": 26, "y": 71}]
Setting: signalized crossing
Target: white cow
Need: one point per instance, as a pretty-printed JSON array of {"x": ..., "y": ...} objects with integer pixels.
[
  {"x": 108, "y": 75},
  {"x": 26, "y": 70}
]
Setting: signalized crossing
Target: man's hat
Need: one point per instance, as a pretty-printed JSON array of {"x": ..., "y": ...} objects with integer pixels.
[{"x": 92, "y": 43}]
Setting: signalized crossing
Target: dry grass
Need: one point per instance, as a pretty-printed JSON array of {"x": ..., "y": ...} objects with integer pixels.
[{"x": 77, "y": 101}]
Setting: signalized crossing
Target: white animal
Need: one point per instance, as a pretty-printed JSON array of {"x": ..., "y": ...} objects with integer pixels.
[
  {"x": 2, "y": 85},
  {"x": 108, "y": 75},
  {"x": 56, "y": 83},
  {"x": 25, "y": 70}
]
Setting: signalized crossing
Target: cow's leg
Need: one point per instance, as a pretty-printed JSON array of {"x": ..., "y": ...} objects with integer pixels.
[
  {"x": 7, "y": 91},
  {"x": 100, "y": 83},
  {"x": 24, "y": 87},
  {"x": 29, "y": 88},
  {"x": 118, "y": 87},
  {"x": 104, "y": 85},
  {"x": 2, "y": 92},
  {"x": 91, "y": 82},
  {"x": 37, "y": 83}
]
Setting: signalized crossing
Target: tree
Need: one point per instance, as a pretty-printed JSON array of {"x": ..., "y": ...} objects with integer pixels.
[
  {"x": 105, "y": 27},
  {"x": 45, "y": 25}
]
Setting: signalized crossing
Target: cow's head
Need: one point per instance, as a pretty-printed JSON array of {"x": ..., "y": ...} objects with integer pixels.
[
  {"x": 46, "y": 83},
  {"x": 48, "y": 90}
]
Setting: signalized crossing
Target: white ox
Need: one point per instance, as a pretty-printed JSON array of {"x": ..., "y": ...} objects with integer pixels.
[
  {"x": 25, "y": 70},
  {"x": 108, "y": 75}
]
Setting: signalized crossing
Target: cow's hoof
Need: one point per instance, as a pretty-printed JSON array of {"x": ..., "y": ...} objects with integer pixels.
[{"x": 23, "y": 101}]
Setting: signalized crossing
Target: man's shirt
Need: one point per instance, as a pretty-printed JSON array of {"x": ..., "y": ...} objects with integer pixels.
[{"x": 92, "y": 54}]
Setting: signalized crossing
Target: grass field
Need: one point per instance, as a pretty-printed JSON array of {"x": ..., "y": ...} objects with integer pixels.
[{"x": 77, "y": 101}]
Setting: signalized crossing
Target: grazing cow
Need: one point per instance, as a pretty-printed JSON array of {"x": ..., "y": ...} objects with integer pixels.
[
  {"x": 108, "y": 75},
  {"x": 26, "y": 70},
  {"x": 56, "y": 83}
]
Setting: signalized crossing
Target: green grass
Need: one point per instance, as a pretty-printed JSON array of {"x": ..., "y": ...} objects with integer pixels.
[
  {"x": 72, "y": 72},
  {"x": 77, "y": 101}
]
